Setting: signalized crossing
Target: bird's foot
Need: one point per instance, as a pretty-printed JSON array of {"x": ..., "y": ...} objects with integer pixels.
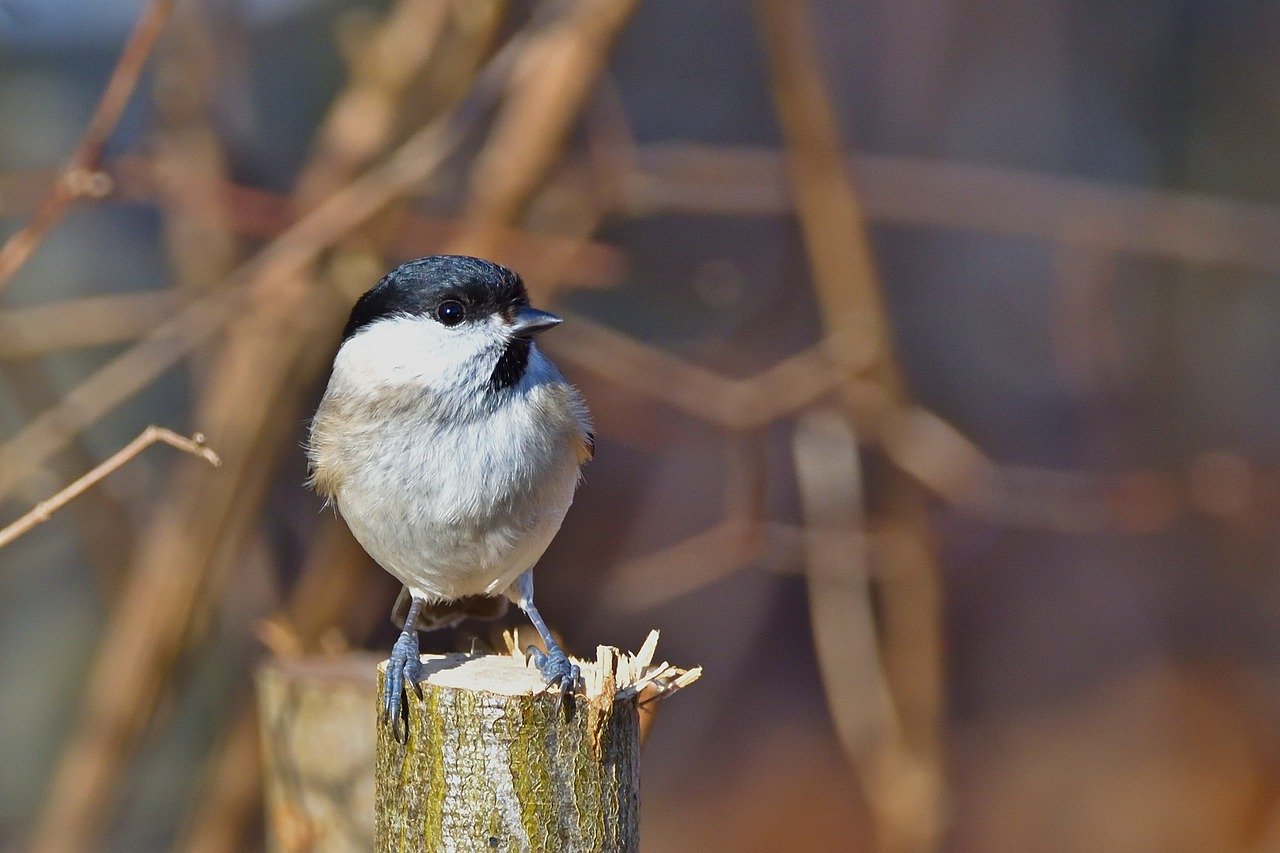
[
  {"x": 404, "y": 670},
  {"x": 557, "y": 669}
]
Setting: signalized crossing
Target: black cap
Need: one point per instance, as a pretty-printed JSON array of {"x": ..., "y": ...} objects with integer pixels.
[{"x": 418, "y": 287}]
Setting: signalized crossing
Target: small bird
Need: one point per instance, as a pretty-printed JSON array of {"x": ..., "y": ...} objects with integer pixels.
[{"x": 452, "y": 447}]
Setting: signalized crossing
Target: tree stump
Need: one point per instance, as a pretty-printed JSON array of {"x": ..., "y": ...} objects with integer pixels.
[
  {"x": 493, "y": 761},
  {"x": 317, "y": 752}
]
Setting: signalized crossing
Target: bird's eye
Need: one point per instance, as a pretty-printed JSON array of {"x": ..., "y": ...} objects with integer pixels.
[{"x": 450, "y": 312}]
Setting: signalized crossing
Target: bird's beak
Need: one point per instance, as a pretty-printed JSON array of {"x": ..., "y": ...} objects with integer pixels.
[{"x": 529, "y": 321}]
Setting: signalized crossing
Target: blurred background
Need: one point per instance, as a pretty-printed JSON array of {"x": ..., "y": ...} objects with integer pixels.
[{"x": 932, "y": 348}]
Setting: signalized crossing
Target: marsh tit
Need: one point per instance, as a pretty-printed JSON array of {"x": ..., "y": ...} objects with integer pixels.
[{"x": 451, "y": 446}]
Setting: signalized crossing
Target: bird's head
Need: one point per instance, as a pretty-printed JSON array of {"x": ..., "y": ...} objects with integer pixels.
[{"x": 449, "y": 324}]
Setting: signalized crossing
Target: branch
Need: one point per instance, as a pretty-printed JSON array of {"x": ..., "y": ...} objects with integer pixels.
[
  {"x": 254, "y": 379},
  {"x": 80, "y": 177},
  {"x": 545, "y": 95},
  {"x": 86, "y": 321},
  {"x": 258, "y": 280},
  {"x": 42, "y": 511},
  {"x": 739, "y": 404},
  {"x": 907, "y": 798},
  {"x": 333, "y": 592},
  {"x": 741, "y": 180}
]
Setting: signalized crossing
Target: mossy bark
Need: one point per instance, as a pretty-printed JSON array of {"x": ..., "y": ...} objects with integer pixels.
[{"x": 492, "y": 762}]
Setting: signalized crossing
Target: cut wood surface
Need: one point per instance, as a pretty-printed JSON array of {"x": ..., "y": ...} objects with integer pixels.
[{"x": 493, "y": 761}]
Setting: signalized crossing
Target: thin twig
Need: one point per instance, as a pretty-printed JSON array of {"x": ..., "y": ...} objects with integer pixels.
[
  {"x": 100, "y": 518},
  {"x": 80, "y": 176},
  {"x": 42, "y": 511}
]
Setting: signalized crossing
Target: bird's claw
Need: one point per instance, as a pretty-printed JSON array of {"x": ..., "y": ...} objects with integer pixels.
[
  {"x": 557, "y": 669},
  {"x": 404, "y": 669}
]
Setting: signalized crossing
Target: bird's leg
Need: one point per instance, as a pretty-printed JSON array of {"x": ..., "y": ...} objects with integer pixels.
[
  {"x": 554, "y": 664},
  {"x": 404, "y": 668}
]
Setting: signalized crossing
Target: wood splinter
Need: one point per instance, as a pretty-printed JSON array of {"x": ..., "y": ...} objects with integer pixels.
[{"x": 492, "y": 760}]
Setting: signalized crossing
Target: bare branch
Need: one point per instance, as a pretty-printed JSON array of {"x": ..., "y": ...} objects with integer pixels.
[
  {"x": 259, "y": 279},
  {"x": 81, "y": 177},
  {"x": 87, "y": 321},
  {"x": 544, "y": 95},
  {"x": 42, "y": 511},
  {"x": 738, "y": 180},
  {"x": 268, "y": 359},
  {"x": 334, "y": 591},
  {"x": 908, "y": 801},
  {"x": 739, "y": 404}
]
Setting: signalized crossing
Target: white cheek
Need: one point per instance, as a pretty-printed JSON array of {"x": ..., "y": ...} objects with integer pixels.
[{"x": 411, "y": 351}]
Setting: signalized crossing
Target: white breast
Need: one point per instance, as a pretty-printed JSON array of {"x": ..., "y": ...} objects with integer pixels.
[{"x": 453, "y": 499}]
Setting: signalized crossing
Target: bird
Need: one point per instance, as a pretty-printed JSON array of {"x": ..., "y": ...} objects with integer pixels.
[{"x": 452, "y": 447}]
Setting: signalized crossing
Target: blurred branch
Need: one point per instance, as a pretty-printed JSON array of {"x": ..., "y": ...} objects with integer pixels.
[
  {"x": 189, "y": 165},
  {"x": 577, "y": 201},
  {"x": 546, "y": 92},
  {"x": 666, "y": 574},
  {"x": 87, "y": 321},
  {"x": 931, "y": 450},
  {"x": 859, "y": 340},
  {"x": 700, "y": 560},
  {"x": 260, "y": 213},
  {"x": 331, "y": 592},
  {"x": 665, "y": 178},
  {"x": 830, "y": 481},
  {"x": 739, "y": 404},
  {"x": 745, "y": 180},
  {"x": 253, "y": 388},
  {"x": 42, "y": 511},
  {"x": 263, "y": 278},
  {"x": 1219, "y": 484},
  {"x": 255, "y": 212},
  {"x": 362, "y": 119},
  {"x": 899, "y": 785},
  {"x": 80, "y": 176}
]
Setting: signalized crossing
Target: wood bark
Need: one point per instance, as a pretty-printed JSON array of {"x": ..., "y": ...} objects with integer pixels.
[{"x": 492, "y": 761}]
